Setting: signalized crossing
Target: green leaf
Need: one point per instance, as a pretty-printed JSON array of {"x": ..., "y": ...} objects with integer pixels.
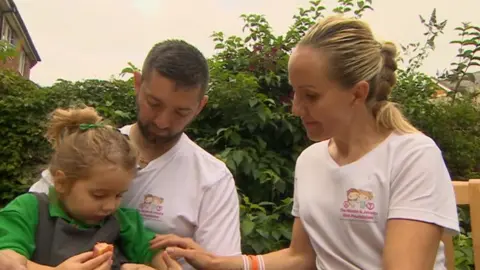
[
  {"x": 276, "y": 235},
  {"x": 247, "y": 227},
  {"x": 258, "y": 247},
  {"x": 235, "y": 138},
  {"x": 237, "y": 156},
  {"x": 263, "y": 233}
]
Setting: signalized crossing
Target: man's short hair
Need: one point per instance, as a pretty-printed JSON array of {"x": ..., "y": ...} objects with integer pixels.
[{"x": 179, "y": 61}]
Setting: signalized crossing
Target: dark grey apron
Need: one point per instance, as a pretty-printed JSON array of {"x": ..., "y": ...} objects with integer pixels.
[{"x": 57, "y": 240}]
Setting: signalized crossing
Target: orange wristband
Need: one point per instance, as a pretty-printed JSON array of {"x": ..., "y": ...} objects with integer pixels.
[{"x": 254, "y": 260}]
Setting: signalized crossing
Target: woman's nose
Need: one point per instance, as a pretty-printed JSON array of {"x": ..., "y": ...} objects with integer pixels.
[{"x": 297, "y": 108}]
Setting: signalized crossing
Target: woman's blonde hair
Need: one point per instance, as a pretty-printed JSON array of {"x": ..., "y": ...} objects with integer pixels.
[
  {"x": 355, "y": 55},
  {"x": 82, "y": 141}
]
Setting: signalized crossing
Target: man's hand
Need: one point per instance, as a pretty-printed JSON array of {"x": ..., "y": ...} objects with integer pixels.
[
  {"x": 10, "y": 260},
  {"x": 85, "y": 261},
  {"x": 133, "y": 266},
  {"x": 162, "y": 241},
  {"x": 170, "y": 263}
]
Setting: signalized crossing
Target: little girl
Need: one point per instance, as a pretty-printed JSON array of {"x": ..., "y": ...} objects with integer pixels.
[{"x": 92, "y": 166}]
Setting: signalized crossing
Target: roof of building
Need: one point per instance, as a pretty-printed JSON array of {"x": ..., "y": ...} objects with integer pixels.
[
  {"x": 470, "y": 85},
  {"x": 8, "y": 6}
]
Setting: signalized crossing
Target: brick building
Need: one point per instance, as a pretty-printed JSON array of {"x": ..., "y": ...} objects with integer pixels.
[{"x": 14, "y": 31}]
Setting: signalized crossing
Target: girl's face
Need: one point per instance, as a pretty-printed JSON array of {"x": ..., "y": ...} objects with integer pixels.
[{"x": 91, "y": 200}]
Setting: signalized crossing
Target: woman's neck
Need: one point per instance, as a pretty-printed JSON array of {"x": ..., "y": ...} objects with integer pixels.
[{"x": 361, "y": 136}]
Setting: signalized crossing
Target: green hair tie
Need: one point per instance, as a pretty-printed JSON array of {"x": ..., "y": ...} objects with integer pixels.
[{"x": 84, "y": 127}]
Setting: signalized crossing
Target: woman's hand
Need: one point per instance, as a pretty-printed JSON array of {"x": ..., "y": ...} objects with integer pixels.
[
  {"x": 199, "y": 259},
  {"x": 162, "y": 241},
  {"x": 85, "y": 261},
  {"x": 180, "y": 247}
]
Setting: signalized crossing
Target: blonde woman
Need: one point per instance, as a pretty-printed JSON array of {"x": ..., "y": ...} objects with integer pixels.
[{"x": 342, "y": 78}]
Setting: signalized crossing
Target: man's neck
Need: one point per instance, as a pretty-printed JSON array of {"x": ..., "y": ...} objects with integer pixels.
[{"x": 148, "y": 150}]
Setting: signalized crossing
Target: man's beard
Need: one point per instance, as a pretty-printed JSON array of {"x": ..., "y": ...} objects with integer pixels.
[
  {"x": 151, "y": 137},
  {"x": 156, "y": 139}
]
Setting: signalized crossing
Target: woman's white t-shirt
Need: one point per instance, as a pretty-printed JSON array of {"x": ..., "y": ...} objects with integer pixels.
[{"x": 344, "y": 209}]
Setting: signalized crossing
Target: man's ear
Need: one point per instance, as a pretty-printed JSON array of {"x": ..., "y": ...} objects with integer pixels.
[
  {"x": 60, "y": 182},
  {"x": 137, "y": 81},
  {"x": 202, "y": 104}
]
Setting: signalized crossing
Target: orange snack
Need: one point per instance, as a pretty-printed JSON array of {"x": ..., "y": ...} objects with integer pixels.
[{"x": 101, "y": 248}]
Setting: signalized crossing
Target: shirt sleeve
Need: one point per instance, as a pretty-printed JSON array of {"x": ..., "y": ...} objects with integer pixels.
[
  {"x": 302, "y": 165},
  {"x": 18, "y": 225},
  {"x": 135, "y": 237},
  {"x": 218, "y": 228},
  {"x": 43, "y": 184},
  {"x": 422, "y": 190},
  {"x": 296, "y": 206}
]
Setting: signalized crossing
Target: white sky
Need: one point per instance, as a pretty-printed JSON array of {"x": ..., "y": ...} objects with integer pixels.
[{"x": 96, "y": 38}]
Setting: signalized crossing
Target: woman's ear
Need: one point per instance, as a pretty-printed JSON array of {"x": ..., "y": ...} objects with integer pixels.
[
  {"x": 60, "y": 182},
  {"x": 360, "y": 92}
]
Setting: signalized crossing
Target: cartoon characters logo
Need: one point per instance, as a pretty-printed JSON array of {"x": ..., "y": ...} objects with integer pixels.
[
  {"x": 359, "y": 206},
  {"x": 359, "y": 199},
  {"x": 150, "y": 201},
  {"x": 151, "y": 207}
]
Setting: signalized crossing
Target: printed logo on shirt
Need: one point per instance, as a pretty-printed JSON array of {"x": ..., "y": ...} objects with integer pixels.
[
  {"x": 359, "y": 206},
  {"x": 151, "y": 207}
]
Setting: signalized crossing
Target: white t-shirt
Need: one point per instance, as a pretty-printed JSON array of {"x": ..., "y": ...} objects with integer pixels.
[
  {"x": 344, "y": 209},
  {"x": 187, "y": 192}
]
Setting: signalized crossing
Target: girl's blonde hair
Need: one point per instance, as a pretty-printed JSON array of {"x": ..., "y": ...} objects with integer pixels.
[
  {"x": 355, "y": 55},
  {"x": 82, "y": 141}
]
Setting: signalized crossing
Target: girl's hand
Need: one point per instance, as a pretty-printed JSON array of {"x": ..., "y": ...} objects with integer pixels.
[
  {"x": 10, "y": 260},
  {"x": 85, "y": 261}
]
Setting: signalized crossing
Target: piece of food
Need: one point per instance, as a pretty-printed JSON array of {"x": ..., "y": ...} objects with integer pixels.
[{"x": 101, "y": 248}]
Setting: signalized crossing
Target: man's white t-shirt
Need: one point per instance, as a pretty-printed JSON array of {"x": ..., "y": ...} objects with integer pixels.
[
  {"x": 187, "y": 192},
  {"x": 344, "y": 209}
]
